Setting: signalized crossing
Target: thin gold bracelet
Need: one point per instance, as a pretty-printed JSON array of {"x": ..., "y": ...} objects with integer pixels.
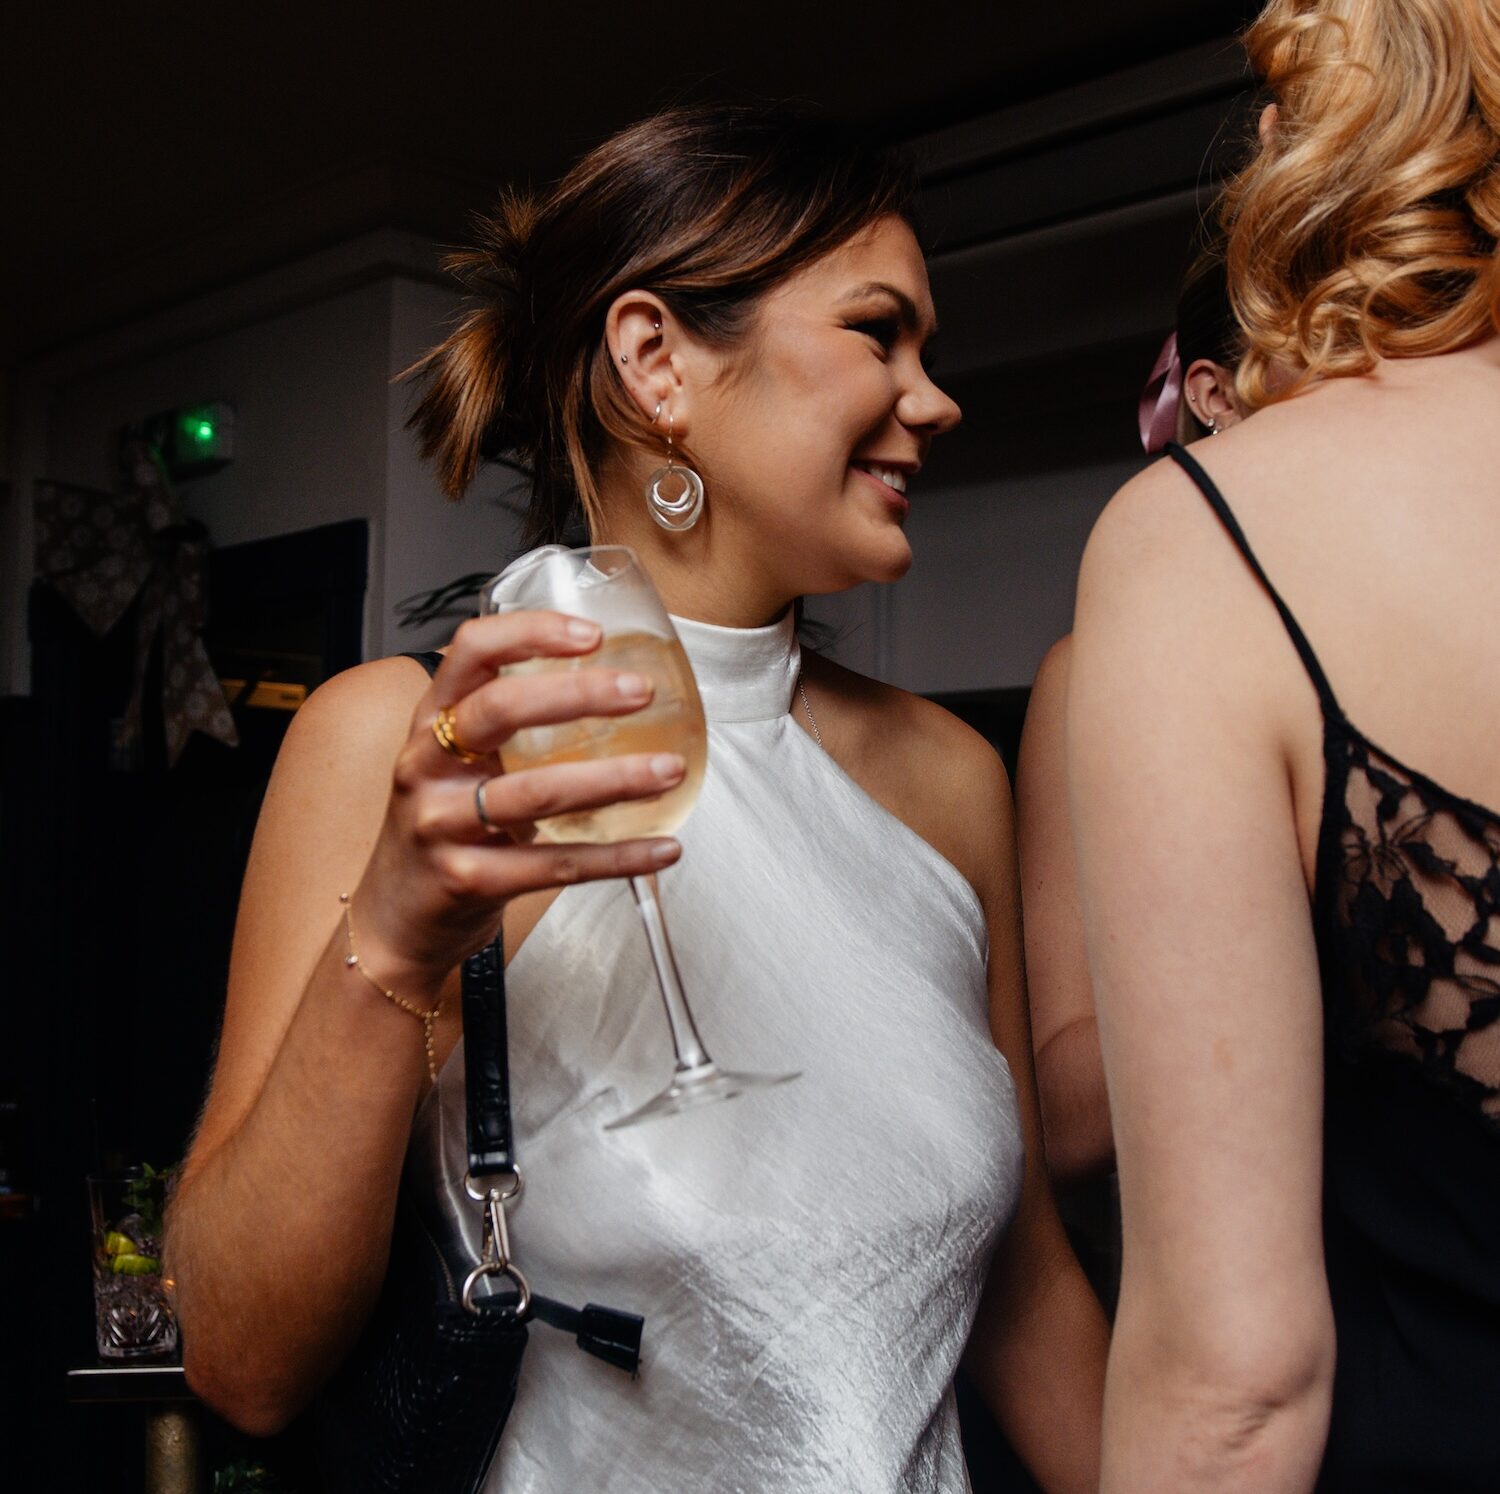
[{"x": 427, "y": 1019}]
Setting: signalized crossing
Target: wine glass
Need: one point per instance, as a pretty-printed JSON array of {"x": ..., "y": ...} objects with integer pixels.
[{"x": 606, "y": 585}]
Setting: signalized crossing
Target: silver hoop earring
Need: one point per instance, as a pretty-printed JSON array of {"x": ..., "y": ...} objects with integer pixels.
[{"x": 681, "y": 506}]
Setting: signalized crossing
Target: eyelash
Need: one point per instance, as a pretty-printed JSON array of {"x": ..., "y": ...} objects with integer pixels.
[{"x": 885, "y": 330}]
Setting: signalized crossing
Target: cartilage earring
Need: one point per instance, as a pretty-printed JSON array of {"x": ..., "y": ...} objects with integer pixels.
[{"x": 674, "y": 493}]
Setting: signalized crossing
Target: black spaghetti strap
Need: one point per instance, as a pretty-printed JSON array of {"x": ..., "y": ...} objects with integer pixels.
[
  {"x": 429, "y": 661},
  {"x": 1209, "y": 489}
]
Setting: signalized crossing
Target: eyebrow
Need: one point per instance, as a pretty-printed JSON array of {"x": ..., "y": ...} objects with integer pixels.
[{"x": 911, "y": 318}]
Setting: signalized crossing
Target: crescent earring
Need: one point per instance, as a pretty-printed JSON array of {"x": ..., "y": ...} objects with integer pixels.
[{"x": 674, "y": 493}]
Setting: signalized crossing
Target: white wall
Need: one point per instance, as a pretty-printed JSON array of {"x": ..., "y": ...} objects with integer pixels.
[
  {"x": 993, "y": 583},
  {"x": 308, "y": 388},
  {"x": 991, "y": 587},
  {"x": 306, "y": 353},
  {"x": 320, "y": 436}
]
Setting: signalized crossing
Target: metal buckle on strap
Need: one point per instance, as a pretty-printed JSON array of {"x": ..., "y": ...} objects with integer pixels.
[{"x": 494, "y": 1249}]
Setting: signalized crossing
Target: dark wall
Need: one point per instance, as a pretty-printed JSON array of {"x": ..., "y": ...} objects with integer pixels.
[{"x": 118, "y": 901}]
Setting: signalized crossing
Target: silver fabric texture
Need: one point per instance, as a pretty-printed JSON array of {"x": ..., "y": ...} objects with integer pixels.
[{"x": 808, "y": 1258}]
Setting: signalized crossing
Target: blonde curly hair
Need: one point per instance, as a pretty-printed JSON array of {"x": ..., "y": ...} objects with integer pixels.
[{"x": 1366, "y": 225}]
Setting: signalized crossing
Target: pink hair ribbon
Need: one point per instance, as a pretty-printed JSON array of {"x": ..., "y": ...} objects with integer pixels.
[{"x": 1159, "y": 399}]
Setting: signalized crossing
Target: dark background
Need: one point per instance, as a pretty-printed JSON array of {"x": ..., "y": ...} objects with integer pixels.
[{"x": 152, "y": 152}]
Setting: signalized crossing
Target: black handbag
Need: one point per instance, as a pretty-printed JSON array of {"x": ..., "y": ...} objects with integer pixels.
[{"x": 419, "y": 1405}]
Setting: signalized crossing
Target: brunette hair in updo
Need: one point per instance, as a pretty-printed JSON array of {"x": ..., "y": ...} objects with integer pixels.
[{"x": 706, "y": 207}]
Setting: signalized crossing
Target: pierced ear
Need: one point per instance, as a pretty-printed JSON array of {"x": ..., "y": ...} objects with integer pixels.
[
  {"x": 1207, "y": 389},
  {"x": 645, "y": 343}
]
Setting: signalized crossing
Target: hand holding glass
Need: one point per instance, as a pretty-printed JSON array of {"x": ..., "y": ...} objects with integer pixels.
[{"x": 606, "y": 585}]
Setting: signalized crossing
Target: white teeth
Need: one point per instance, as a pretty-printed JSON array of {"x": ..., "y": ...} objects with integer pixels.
[{"x": 890, "y": 476}]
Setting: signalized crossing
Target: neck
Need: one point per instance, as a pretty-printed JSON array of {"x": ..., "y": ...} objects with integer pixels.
[{"x": 707, "y": 573}]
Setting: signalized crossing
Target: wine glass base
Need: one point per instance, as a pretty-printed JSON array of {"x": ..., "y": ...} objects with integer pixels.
[{"x": 691, "y": 1088}]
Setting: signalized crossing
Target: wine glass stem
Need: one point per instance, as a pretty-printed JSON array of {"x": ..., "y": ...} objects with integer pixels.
[{"x": 691, "y": 1054}]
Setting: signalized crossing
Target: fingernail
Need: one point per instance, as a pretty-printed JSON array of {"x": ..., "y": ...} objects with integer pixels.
[
  {"x": 633, "y": 686},
  {"x": 584, "y": 632},
  {"x": 666, "y": 766},
  {"x": 668, "y": 850}
]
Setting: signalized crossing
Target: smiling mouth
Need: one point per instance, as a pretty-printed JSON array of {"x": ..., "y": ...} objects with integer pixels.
[{"x": 892, "y": 477}]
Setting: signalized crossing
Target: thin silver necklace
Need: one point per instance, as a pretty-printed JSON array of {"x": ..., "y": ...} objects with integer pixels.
[{"x": 812, "y": 720}]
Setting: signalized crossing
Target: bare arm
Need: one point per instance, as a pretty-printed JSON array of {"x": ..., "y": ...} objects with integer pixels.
[
  {"x": 1039, "y": 1342},
  {"x": 280, "y": 1229},
  {"x": 1206, "y": 980},
  {"x": 1069, "y": 1068}
]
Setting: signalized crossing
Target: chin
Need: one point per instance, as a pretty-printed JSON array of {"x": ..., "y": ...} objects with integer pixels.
[
  {"x": 880, "y": 567},
  {"x": 879, "y": 557},
  {"x": 895, "y": 562}
]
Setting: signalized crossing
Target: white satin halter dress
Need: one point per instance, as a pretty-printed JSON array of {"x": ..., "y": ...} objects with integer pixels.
[{"x": 808, "y": 1258}]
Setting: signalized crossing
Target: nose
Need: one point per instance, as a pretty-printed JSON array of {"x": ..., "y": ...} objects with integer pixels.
[{"x": 925, "y": 407}]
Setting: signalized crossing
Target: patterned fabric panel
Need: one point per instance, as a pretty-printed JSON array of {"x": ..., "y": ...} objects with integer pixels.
[{"x": 1415, "y": 926}]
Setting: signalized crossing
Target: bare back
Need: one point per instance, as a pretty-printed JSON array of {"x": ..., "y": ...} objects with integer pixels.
[{"x": 1374, "y": 506}]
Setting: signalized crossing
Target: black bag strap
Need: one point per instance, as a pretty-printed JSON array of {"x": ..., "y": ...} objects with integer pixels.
[
  {"x": 487, "y": 1064},
  {"x": 604, "y": 1332},
  {"x": 486, "y": 1051}
]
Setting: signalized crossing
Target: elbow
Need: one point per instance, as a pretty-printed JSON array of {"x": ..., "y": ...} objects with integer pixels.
[
  {"x": 256, "y": 1369},
  {"x": 1248, "y": 1404},
  {"x": 258, "y": 1405},
  {"x": 1078, "y": 1151},
  {"x": 1271, "y": 1414},
  {"x": 245, "y": 1377},
  {"x": 1265, "y": 1372},
  {"x": 1076, "y": 1128}
]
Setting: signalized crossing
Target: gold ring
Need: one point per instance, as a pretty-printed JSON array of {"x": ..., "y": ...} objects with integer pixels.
[{"x": 447, "y": 738}]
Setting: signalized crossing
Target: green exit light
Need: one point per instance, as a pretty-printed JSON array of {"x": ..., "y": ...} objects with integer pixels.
[
  {"x": 194, "y": 440},
  {"x": 197, "y": 426}
]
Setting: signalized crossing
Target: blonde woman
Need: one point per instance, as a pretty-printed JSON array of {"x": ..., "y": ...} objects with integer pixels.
[{"x": 1283, "y": 710}]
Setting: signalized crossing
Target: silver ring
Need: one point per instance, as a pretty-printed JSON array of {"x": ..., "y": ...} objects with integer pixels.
[
  {"x": 511, "y": 1189},
  {"x": 522, "y": 1308},
  {"x": 491, "y": 828}
]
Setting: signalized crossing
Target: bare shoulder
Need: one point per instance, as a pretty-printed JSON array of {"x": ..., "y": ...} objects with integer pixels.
[
  {"x": 1049, "y": 690},
  {"x": 1161, "y": 578},
  {"x": 1151, "y": 522},
  {"x": 333, "y": 773},
  {"x": 366, "y": 695},
  {"x": 1053, "y": 670},
  {"x": 931, "y": 770},
  {"x": 326, "y": 799},
  {"x": 1171, "y": 622},
  {"x": 361, "y": 714}
]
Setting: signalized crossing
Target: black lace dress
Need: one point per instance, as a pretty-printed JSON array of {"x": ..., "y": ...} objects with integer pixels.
[{"x": 1407, "y": 914}]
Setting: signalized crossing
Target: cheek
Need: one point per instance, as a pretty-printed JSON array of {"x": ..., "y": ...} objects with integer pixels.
[{"x": 833, "y": 404}]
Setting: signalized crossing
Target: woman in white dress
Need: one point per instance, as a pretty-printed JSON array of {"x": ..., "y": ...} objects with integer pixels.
[{"x": 810, "y": 1259}]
